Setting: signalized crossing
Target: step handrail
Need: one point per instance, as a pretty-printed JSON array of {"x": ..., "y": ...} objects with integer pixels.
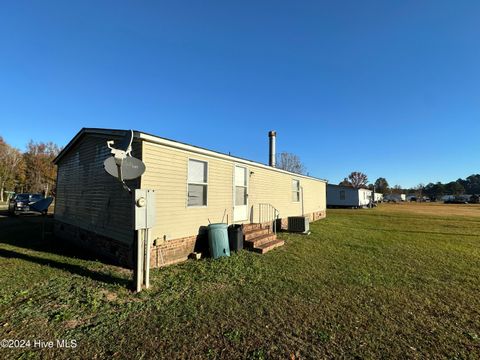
[{"x": 268, "y": 213}]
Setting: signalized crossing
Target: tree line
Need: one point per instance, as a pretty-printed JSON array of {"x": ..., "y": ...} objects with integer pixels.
[
  {"x": 33, "y": 171},
  {"x": 358, "y": 179},
  {"x": 470, "y": 185},
  {"x": 30, "y": 171}
]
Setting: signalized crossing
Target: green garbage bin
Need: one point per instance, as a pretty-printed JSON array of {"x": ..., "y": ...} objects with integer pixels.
[{"x": 218, "y": 240}]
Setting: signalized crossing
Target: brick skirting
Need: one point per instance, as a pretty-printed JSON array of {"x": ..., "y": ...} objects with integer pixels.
[
  {"x": 317, "y": 215},
  {"x": 107, "y": 248},
  {"x": 168, "y": 252},
  {"x": 163, "y": 252}
]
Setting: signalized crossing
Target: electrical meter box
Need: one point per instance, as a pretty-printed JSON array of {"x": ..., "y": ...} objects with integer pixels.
[{"x": 144, "y": 206}]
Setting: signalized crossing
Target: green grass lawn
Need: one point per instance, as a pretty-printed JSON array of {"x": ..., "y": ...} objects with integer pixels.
[{"x": 365, "y": 284}]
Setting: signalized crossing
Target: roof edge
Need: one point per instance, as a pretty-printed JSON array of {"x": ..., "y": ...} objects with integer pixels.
[
  {"x": 175, "y": 144},
  {"x": 192, "y": 148},
  {"x": 83, "y": 131}
]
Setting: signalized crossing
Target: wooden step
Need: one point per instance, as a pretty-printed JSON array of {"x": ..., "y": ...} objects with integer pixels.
[
  {"x": 250, "y": 227},
  {"x": 252, "y": 234},
  {"x": 266, "y": 247},
  {"x": 252, "y": 243}
]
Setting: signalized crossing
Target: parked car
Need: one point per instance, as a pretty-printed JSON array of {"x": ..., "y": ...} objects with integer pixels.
[
  {"x": 20, "y": 203},
  {"x": 475, "y": 199},
  {"x": 460, "y": 199}
]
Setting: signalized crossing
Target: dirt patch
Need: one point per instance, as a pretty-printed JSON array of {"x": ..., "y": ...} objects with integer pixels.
[
  {"x": 71, "y": 324},
  {"x": 110, "y": 296}
]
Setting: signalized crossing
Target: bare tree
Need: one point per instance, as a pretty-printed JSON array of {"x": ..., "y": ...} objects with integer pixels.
[
  {"x": 290, "y": 162},
  {"x": 358, "y": 179},
  {"x": 10, "y": 166},
  {"x": 40, "y": 170}
]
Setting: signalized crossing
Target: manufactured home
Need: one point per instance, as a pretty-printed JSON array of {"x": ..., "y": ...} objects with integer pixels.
[
  {"x": 460, "y": 199},
  {"x": 345, "y": 196},
  {"x": 378, "y": 197},
  {"x": 193, "y": 186}
]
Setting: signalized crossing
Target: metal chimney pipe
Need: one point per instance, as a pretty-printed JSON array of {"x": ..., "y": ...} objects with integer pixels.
[{"x": 273, "y": 153}]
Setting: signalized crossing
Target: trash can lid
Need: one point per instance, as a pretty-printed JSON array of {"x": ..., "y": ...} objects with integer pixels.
[{"x": 218, "y": 226}]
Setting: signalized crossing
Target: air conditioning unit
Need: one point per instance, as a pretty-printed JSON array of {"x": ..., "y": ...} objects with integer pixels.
[{"x": 299, "y": 224}]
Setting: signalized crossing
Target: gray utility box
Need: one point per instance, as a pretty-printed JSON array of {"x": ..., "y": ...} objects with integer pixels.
[
  {"x": 299, "y": 224},
  {"x": 144, "y": 209}
]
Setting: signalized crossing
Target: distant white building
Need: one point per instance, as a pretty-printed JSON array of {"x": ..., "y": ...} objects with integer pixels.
[
  {"x": 378, "y": 197},
  {"x": 345, "y": 196}
]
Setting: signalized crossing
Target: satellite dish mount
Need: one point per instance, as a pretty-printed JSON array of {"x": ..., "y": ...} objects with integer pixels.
[
  {"x": 122, "y": 164},
  {"x": 120, "y": 155}
]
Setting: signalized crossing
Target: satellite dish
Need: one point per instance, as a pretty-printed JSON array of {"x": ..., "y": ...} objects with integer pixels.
[
  {"x": 42, "y": 206},
  {"x": 131, "y": 167},
  {"x": 123, "y": 165}
]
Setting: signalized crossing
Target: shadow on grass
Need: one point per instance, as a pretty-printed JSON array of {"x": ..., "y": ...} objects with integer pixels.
[
  {"x": 73, "y": 269},
  {"x": 25, "y": 232}
]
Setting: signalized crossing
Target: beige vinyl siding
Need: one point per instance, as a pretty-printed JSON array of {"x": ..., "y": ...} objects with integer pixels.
[
  {"x": 315, "y": 195},
  {"x": 88, "y": 197},
  {"x": 167, "y": 173},
  {"x": 267, "y": 186}
]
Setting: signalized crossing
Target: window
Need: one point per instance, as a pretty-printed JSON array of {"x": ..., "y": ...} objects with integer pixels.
[
  {"x": 342, "y": 194},
  {"x": 197, "y": 183},
  {"x": 240, "y": 186},
  {"x": 295, "y": 190}
]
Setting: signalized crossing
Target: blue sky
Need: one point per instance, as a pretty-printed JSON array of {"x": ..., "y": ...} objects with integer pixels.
[{"x": 390, "y": 88}]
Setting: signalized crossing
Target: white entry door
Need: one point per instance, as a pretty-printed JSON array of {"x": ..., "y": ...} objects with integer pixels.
[{"x": 240, "y": 194}]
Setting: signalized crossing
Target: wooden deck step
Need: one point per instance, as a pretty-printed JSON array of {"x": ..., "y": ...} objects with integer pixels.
[
  {"x": 252, "y": 234},
  {"x": 266, "y": 247},
  {"x": 250, "y": 227},
  {"x": 262, "y": 239}
]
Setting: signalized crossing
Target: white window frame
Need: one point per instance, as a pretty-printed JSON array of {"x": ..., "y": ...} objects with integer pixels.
[
  {"x": 245, "y": 186},
  {"x": 197, "y": 183},
  {"x": 298, "y": 191}
]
